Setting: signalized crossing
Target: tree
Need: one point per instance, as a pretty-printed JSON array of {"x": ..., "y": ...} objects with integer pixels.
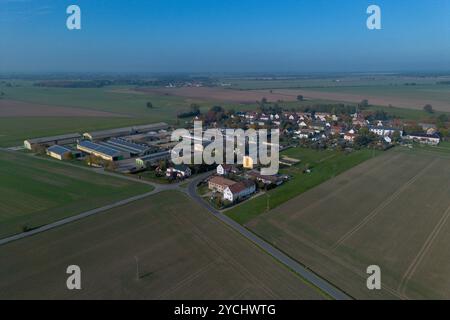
[
  {"x": 441, "y": 120},
  {"x": 364, "y": 104},
  {"x": 300, "y": 97},
  {"x": 149, "y": 105},
  {"x": 428, "y": 108},
  {"x": 195, "y": 108}
]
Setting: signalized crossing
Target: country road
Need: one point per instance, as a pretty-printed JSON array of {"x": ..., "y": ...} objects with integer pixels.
[
  {"x": 309, "y": 276},
  {"x": 191, "y": 191}
]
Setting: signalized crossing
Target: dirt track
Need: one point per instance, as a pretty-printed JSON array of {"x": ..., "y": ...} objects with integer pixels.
[{"x": 12, "y": 108}]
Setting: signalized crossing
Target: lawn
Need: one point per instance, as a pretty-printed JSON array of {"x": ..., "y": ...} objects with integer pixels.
[
  {"x": 35, "y": 192},
  {"x": 325, "y": 165}
]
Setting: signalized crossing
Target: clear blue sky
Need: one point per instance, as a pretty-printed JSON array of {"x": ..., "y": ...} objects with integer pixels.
[{"x": 224, "y": 36}]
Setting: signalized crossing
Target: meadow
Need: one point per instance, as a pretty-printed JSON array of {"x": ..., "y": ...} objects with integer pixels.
[
  {"x": 392, "y": 211},
  {"x": 183, "y": 252},
  {"x": 35, "y": 192},
  {"x": 324, "y": 165}
]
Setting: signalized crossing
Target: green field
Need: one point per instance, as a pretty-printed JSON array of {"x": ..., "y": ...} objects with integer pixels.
[
  {"x": 183, "y": 253},
  {"x": 118, "y": 100},
  {"x": 34, "y": 191},
  {"x": 325, "y": 165},
  {"x": 392, "y": 211}
]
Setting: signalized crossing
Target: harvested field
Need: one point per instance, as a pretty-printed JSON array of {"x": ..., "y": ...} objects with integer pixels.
[
  {"x": 392, "y": 211},
  {"x": 12, "y": 108},
  {"x": 183, "y": 253},
  {"x": 398, "y": 97},
  {"x": 221, "y": 94}
]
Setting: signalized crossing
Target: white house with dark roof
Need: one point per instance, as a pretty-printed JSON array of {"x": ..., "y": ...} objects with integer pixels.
[
  {"x": 424, "y": 138},
  {"x": 239, "y": 190}
]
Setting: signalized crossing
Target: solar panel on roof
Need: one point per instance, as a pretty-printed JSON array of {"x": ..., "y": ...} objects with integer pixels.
[
  {"x": 99, "y": 148},
  {"x": 58, "y": 149},
  {"x": 128, "y": 144}
]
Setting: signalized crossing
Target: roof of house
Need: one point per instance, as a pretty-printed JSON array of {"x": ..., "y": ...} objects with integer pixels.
[
  {"x": 424, "y": 135},
  {"x": 60, "y": 150},
  {"x": 382, "y": 128},
  {"x": 55, "y": 138},
  {"x": 240, "y": 186},
  {"x": 256, "y": 174},
  {"x": 181, "y": 167},
  {"x": 227, "y": 166},
  {"x": 221, "y": 181}
]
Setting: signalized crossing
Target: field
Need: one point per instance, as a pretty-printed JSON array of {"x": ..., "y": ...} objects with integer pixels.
[
  {"x": 411, "y": 97},
  {"x": 380, "y": 90},
  {"x": 329, "y": 80},
  {"x": 392, "y": 211},
  {"x": 34, "y": 192},
  {"x": 27, "y": 111},
  {"x": 11, "y": 108},
  {"x": 183, "y": 253},
  {"x": 324, "y": 165},
  {"x": 221, "y": 94}
]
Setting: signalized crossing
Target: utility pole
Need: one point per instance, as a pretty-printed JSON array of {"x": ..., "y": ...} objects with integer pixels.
[{"x": 137, "y": 267}]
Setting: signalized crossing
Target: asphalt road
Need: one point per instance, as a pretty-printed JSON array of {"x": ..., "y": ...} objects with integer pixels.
[
  {"x": 309, "y": 276},
  {"x": 191, "y": 191}
]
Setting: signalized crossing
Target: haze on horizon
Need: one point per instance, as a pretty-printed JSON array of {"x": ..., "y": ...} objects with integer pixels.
[{"x": 224, "y": 36}]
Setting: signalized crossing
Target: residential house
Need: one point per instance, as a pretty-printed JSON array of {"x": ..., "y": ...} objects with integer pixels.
[
  {"x": 224, "y": 169},
  {"x": 385, "y": 131},
  {"x": 179, "y": 171},
  {"x": 239, "y": 190},
  {"x": 219, "y": 184}
]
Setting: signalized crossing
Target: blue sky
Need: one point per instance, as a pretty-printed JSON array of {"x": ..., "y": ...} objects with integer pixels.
[{"x": 224, "y": 36}]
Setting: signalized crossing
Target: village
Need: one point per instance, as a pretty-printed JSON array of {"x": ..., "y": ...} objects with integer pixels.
[{"x": 145, "y": 151}]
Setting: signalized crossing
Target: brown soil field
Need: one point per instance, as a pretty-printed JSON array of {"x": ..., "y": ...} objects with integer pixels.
[
  {"x": 183, "y": 252},
  {"x": 13, "y": 108},
  {"x": 400, "y": 101},
  {"x": 221, "y": 95},
  {"x": 392, "y": 211},
  {"x": 251, "y": 96}
]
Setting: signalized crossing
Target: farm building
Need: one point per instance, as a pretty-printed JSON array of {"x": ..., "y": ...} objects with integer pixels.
[
  {"x": 432, "y": 139},
  {"x": 273, "y": 179},
  {"x": 239, "y": 190},
  {"x": 59, "y": 152},
  {"x": 219, "y": 184},
  {"x": 153, "y": 158},
  {"x": 113, "y": 133},
  {"x": 30, "y": 144},
  {"x": 99, "y": 150},
  {"x": 134, "y": 149}
]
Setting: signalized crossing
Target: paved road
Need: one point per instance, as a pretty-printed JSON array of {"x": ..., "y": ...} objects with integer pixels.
[
  {"x": 322, "y": 284},
  {"x": 191, "y": 190}
]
